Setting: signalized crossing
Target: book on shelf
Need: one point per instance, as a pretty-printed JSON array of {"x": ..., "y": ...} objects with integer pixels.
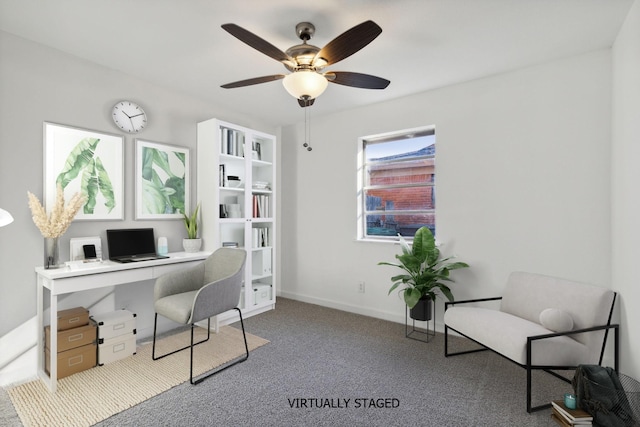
[
  {"x": 260, "y": 237},
  {"x": 573, "y": 417},
  {"x": 255, "y": 147},
  {"x": 231, "y": 142},
  {"x": 223, "y": 176},
  {"x": 260, "y": 206},
  {"x": 230, "y": 244}
]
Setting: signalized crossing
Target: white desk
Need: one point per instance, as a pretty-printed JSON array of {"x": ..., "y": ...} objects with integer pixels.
[{"x": 108, "y": 273}]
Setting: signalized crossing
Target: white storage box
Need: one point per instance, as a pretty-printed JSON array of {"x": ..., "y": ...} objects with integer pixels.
[
  {"x": 115, "y": 323},
  {"x": 116, "y": 348},
  {"x": 261, "y": 293}
]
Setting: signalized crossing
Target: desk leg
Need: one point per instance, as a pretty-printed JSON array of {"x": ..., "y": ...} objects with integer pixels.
[
  {"x": 49, "y": 380},
  {"x": 53, "y": 341},
  {"x": 40, "y": 344}
]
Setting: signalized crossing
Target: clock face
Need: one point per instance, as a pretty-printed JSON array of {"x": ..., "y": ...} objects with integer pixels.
[{"x": 129, "y": 116}]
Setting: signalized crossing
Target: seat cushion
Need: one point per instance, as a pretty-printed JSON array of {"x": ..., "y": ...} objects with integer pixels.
[
  {"x": 176, "y": 307},
  {"x": 507, "y": 334}
]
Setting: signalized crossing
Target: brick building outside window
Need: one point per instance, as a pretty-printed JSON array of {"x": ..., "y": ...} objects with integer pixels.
[{"x": 397, "y": 184}]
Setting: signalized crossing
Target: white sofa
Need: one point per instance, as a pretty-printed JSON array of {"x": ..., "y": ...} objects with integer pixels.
[{"x": 543, "y": 323}]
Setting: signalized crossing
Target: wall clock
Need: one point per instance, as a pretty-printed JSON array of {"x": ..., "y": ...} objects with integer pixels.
[{"x": 129, "y": 116}]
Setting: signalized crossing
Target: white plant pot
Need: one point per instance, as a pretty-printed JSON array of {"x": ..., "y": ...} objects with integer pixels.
[{"x": 191, "y": 245}]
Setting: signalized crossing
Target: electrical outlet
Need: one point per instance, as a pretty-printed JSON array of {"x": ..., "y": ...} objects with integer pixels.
[{"x": 361, "y": 287}]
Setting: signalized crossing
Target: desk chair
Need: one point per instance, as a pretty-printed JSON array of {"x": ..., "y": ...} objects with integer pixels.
[{"x": 201, "y": 292}]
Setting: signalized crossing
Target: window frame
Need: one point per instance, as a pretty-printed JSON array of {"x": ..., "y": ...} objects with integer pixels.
[{"x": 362, "y": 168}]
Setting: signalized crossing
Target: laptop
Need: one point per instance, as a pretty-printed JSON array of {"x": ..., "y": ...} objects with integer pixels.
[{"x": 132, "y": 245}]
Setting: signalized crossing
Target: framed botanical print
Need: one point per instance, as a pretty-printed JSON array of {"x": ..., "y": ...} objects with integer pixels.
[
  {"x": 162, "y": 180},
  {"x": 85, "y": 161}
]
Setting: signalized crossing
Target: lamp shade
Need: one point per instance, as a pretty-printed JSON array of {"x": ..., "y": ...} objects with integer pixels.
[
  {"x": 5, "y": 218},
  {"x": 305, "y": 83}
]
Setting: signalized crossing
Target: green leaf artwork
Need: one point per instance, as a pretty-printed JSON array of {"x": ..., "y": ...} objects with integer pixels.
[
  {"x": 78, "y": 159},
  {"x": 163, "y": 187},
  {"x": 94, "y": 179}
]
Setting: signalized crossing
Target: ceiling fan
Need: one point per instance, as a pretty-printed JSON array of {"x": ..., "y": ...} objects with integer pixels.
[{"x": 307, "y": 62}]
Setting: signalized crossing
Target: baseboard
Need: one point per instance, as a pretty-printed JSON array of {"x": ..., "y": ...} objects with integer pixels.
[{"x": 351, "y": 308}]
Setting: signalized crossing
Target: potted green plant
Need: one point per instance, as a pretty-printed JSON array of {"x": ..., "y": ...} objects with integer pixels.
[
  {"x": 426, "y": 274},
  {"x": 192, "y": 243}
]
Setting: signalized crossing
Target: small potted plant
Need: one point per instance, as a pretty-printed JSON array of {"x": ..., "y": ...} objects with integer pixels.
[
  {"x": 426, "y": 274},
  {"x": 192, "y": 243}
]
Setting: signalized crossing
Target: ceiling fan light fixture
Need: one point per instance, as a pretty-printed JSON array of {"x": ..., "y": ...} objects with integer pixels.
[{"x": 305, "y": 83}]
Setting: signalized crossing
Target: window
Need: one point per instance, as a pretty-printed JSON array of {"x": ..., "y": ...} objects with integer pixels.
[{"x": 396, "y": 184}]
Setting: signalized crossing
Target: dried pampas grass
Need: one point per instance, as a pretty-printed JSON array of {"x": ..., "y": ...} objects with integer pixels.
[{"x": 55, "y": 224}]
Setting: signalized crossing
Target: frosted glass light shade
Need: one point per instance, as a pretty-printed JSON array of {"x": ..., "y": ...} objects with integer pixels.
[
  {"x": 305, "y": 83},
  {"x": 5, "y": 218}
]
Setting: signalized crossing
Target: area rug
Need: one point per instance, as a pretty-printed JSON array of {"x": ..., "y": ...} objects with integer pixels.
[{"x": 93, "y": 395}]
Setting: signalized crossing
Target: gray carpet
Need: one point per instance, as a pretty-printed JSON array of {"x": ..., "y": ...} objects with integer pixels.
[{"x": 345, "y": 365}]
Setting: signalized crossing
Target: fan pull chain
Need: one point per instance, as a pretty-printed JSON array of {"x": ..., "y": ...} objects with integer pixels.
[{"x": 307, "y": 129}]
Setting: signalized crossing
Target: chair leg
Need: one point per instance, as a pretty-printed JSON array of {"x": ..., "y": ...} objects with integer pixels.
[
  {"x": 153, "y": 348},
  {"x": 226, "y": 365}
]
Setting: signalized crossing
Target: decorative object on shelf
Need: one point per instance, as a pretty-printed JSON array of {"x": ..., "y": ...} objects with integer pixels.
[
  {"x": 88, "y": 162},
  {"x": 192, "y": 243},
  {"x": 129, "y": 116},
  {"x": 426, "y": 271},
  {"x": 307, "y": 62},
  {"x": 162, "y": 180},
  {"x": 234, "y": 181},
  {"x": 55, "y": 224},
  {"x": 5, "y": 218}
]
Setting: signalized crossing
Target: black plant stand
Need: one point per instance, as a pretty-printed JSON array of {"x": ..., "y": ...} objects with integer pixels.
[{"x": 424, "y": 335}]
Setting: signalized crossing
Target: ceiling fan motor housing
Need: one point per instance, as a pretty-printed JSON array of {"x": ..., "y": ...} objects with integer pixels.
[{"x": 305, "y": 30}]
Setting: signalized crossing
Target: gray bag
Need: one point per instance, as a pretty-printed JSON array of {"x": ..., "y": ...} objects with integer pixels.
[{"x": 599, "y": 392}]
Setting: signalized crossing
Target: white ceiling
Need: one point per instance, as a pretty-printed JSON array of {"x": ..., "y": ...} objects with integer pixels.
[{"x": 425, "y": 44}]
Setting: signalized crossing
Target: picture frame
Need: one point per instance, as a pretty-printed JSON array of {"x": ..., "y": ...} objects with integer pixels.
[
  {"x": 162, "y": 180},
  {"x": 87, "y": 161}
]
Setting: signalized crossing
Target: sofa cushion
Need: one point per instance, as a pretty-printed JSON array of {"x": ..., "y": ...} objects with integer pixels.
[
  {"x": 507, "y": 334},
  {"x": 556, "y": 320}
]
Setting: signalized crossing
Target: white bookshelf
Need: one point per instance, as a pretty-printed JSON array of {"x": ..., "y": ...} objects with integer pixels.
[{"x": 241, "y": 211}]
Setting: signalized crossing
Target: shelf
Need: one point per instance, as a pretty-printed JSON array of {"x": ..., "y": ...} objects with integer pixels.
[
  {"x": 231, "y": 158},
  {"x": 261, "y": 163}
]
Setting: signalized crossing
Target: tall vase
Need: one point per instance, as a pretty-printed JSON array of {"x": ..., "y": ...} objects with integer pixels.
[{"x": 51, "y": 252}]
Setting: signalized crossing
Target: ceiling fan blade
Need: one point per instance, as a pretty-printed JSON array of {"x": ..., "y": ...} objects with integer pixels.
[
  {"x": 258, "y": 43},
  {"x": 364, "y": 81},
  {"x": 349, "y": 42},
  {"x": 306, "y": 102},
  {"x": 253, "y": 81}
]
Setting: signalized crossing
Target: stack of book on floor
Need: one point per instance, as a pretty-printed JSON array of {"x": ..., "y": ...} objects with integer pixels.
[{"x": 569, "y": 417}]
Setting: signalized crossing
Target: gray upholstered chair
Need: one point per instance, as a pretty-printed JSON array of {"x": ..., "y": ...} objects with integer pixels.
[{"x": 201, "y": 292}]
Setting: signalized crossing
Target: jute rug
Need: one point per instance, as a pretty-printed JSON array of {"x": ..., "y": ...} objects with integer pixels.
[{"x": 93, "y": 395}]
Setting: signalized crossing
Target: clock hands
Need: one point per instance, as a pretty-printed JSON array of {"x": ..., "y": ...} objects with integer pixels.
[{"x": 135, "y": 115}]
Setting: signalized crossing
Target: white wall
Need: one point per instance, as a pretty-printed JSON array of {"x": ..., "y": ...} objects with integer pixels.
[
  {"x": 523, "y": 183},
  {"x": 625, "y": 179},
  {"x": 40, "y": 84}
]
